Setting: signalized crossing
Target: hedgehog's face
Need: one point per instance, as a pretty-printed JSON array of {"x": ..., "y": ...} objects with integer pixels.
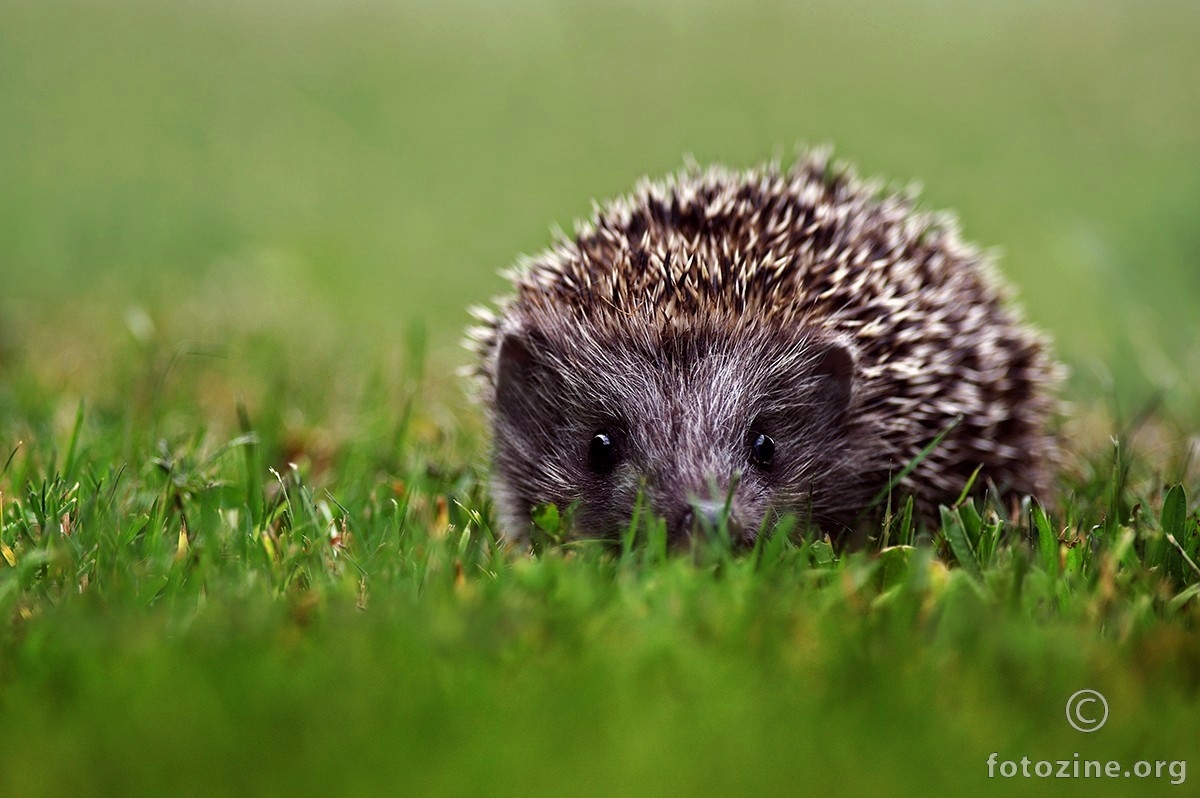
[{"x": 714, "y": 433}]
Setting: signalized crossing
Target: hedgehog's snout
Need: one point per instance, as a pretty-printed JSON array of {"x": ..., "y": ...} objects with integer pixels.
[{"x": 703, "y": 518}]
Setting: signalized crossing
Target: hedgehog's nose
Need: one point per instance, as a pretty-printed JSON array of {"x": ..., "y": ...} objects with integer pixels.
[
  {"x": 707, "y": 513},
  {"x": 703, "y": 517}
]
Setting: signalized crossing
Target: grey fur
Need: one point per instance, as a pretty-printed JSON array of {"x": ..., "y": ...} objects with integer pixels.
[{"x": 809, "y": 306}]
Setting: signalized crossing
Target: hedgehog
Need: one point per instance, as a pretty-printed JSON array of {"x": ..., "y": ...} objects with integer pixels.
[{"x": 728, "y": 348}]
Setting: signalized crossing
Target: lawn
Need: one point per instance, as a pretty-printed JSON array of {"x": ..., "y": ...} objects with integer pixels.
[{"x": 246, "y": 545}]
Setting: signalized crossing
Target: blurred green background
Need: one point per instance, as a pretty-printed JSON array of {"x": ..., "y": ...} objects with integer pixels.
[{"x": 342, "y": 170}]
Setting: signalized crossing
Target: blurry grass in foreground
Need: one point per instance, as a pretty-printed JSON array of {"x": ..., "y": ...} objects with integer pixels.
[{"x": 301, "y": 603}]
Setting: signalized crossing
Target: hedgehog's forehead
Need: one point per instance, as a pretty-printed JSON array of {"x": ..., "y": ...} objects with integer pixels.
[{"x": 696, "y": 345}]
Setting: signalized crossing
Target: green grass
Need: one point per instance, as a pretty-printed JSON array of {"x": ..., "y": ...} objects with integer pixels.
[
  {"x": 251, "y": 613},
  {"x": 245, "y": 539}
]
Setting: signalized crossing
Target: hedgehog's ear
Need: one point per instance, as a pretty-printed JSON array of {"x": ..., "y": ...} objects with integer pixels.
[
  {"x": 833, "y": 362},
  {"x": 525, "y": 379}
]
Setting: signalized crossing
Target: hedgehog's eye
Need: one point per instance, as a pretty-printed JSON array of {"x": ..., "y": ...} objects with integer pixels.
[
  {"x": 602, "y": 453},
  {"x": 762, "y": 449}
]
